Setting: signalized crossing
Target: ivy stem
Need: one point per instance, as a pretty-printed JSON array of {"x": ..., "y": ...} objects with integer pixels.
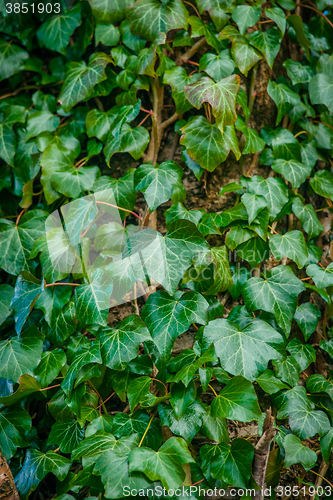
[
  {"x": 146, "y": 111},
  {"x": 275, "y": 232},
  {"x": 198, "y": 482},
  {"x": 318, "y": 12},
  {"x": 18, "y": 218},
  {"x": 300, "y": 133},
  {"x": 324, "y": 478},
  {"x": 212, "y": 388},
  {"x": 147, "y": 428},
  {"x": 165, "y": 387},
  {"x": 192, "y": 62},
  {"x": 193, "y": 7},
  {"x": 119, "y": 208},
  {"x": 51, "y": 387},
  {"x": 107, "y": 399},
  {"x": 100, "y": 397},
  {"x": 142, "y": 121}
]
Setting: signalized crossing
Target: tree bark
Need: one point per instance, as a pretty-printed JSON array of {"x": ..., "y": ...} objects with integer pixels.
[
  {"x": 8, "y": 489},
  {"x": 261, "y": 454}
]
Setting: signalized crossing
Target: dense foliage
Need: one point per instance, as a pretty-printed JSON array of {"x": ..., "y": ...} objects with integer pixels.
[{"x": 106, "y": 259}]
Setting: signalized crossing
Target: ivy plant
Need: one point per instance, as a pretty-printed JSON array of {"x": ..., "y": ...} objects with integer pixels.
[{"x": 166, "y": 255}]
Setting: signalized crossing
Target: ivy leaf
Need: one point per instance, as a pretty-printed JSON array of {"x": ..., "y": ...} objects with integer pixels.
[
  {"x": 244, "y": 351},
  {"x": 273, "y": 190},
  {"x": 303, "y": 353},
  {"x": 291, "y": 245},
  {"x": 92, "y": 301},
  {"x": 295, "y": 172},
  {"x": 67, "y": 435},
  {"x": 148, "y": 18},
  {"x": 27, "y": 289},
  {"x": 243, "y": 54},
  {"x": 167, "y": 317},
  {"x": 137, "y": 390},
  {"x": 253, "y": 204},
  {"x": 16, "y": 242},
  {"x": 178, "y": 211},
  {"x": 217, "y": 10},
  {"x": 20, "y": 354},
  {"x": 132, "y": 140},
  {"x": 308, "y": 217},
  {"x": 277, "y": 15},
  {"x": 126, "y": 425},
  {"x": 253, "y": 143},
  {"x": 221, "y": 96},
  {"x": 182, "y": 397},
  {"x": 303, "y": 420},
  {"x": 233, "y": 464},
  {"x": 267, "y": 42},
  {"x": 284, "y": 98},
  {"x": 84, "y": 356},
  {"x": 245, "y": 16},
  {"x": 326, "y": 443},
  {"x": 322, "y": 184},
  {"x": 217, "y": 66},
  {"x": 199, "y": 28},
  {"x": 296, "y": 453},
  {"x": 165, "y": 258},
  {"x": 81, "y": 78},
  {"x": 11, "y": 59},
  {"x": 41, "y": 121},
  {"x": 277, "y": 294},
  {"x": 297, "y": 72},
  {"x": 205, "y": 143},
  {"x": 185, "y": 426},
  {"x": 307, "y": 316},
  {"x": 27, "y": 385},
  {"x": 237, "y": 401},
  {"x": 74, "y": 181},
  {"x": 120, "y": 345},
  {"x": 164, "y": 465},
  {"x": 108, "y": 12},
  {"x": 107, "y": 34},
  {"x": 270, "y": 383},
  {"x": 296, "y": 22},
  {"x": 321, "y": 277},
  {"x": 177, "y": 78},
  {"x": 122, "y": 189},
  {"x": 49, "y": 367},
  {"x": 14, "y": 424},
  {"x": 55, "y": 34},
  {"x": 157, "y": 182},
  {"x": 35, "y": 467},
  {"x": 6, "y": 295}
]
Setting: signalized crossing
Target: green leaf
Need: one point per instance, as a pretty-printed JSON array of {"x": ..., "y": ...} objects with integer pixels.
[
  {"x": 35, "y": 467},
  {"x": 67, "y": 435},
  {"x": 199, "y": 28},
  {"x": 243, "y": 54},
  {"x": 253, "y": 204},
  {"x": 185, "y": 426},
  {"x": 55, "y": 34},
  {"x": 120, "y": 345},
  {"x": 295, "y": 172},
  {"x": 318, "y": 383},
  {"x": 277, "y": 15},
  {"x": 11, "y": 59},
  {"x": 16, "y": 242},
  {"x": 273, "y": 190},
  {"x": 20, "y": 354},
  {"x": 14, "y": 424},
  {"x": 182, "y": 397},
  {"x": 284, "y": 98},
  {"x": 49, "y": 367},
  {"x": 297, "y": 72},
  {"x": 233, "y": 464},
  {"x": 326, "y": 444},
  {"x": 41, "y": 121},
  {"x": 157, "y": 182},
  {"x": 269, "y": 383},
  {"x": 291, "y": 245},
  {"x": 303, "y": 353},
  {"x": 164, "y": 465},
  {"x": 6, "y": 295},
  {"x": 322, "y": 183},
  {"x": 27, "y": 385},
  {"x": 307, "y": 316},
  {"x": 253, "y": 143},
  {"x": 221, "y": 96},
  {"x": 206, "y": 145},
  {"x": 107, "y": 34},
  {"x": 7, "y": 143},
  {"x": 237, "y": 401},
  {"x": 110, "y": 12},
  {"x": 277, "y": 294},
  {"x": 27, "y": 289},
  {"x": 126, "y": 425},
  {"x": 92, "y": 302},
  {"x": 296, "y": 453},
  {"x": 167, "y": 317},
  {"x": 244, "y": 352},
  {"x": 81, "y": 78},
  {"x": 245, "y": 16},
  {"x": 84, "y": 356},
  {"x": 217, "y": 10},
  {"x": 177, "y": 78},
  {"x": 178, "y": 211},
  {"x": 296, "y": 22},
  {"x": 217, "y": 66},
  {"x": 132, "y": 140},
  {"x": 320, "y": 89},
  {"x": 308, "y": 217},
  {"x": 321, "y": 277},
  {"x": 303, "y": 420},
  {"x": 148, "y": 18}
]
